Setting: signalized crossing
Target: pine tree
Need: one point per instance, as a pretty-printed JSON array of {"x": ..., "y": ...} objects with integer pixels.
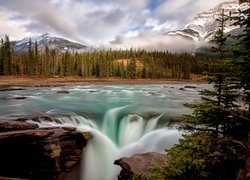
[
  {"x": 220, "y": 37},
  {"x": 47, "y": 63},
  {"x": 242, "y": 61},
  {"x": 31, "y": 69},
  {"x": 1, "y": 56},
  {"x": 6, "y": 56},
  {"x": 132, "y": 68},
  {"x": 36, "y": 59}
]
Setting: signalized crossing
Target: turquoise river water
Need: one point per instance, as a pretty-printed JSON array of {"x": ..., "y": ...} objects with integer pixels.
[{"x": 124, "y": 119}]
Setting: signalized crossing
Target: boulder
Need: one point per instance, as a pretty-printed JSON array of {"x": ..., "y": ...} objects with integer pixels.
[{"x": 139, "y": 164}]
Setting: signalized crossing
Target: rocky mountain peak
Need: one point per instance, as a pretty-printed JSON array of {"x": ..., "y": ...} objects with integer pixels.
[
  {"x": 53, "y": 42},
  {"x": 45, "y": 35},
  {"x": 204, "y": 25}
]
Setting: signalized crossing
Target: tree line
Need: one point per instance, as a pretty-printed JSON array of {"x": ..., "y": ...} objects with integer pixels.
[{"x": 130, "y": 63}]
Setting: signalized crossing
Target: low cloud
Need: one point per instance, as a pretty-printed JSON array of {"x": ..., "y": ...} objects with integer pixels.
[
  {"x": 180, "y": 12},
  {"x": 156, "y": 41}
]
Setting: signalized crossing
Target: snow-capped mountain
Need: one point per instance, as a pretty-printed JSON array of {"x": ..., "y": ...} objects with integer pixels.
[
  {"x": 204, "y": 25},
  {"x": 57, "y": 43}
]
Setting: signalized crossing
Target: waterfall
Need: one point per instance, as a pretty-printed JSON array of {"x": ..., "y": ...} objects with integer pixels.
[
  {"x": 130, "y": 129},
  {"x": 120, "y": 135},
  {"x": 110, "y": 122},
  {"x": 98, "y": 158},
  {"x": 152, "y": 123}
]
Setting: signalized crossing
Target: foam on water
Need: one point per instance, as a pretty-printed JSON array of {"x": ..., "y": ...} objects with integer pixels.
[{"x": 117, "y": 138}]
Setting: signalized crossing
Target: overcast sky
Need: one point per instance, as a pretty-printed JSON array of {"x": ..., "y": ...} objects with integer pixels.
[{"x": 96, "y": 21}]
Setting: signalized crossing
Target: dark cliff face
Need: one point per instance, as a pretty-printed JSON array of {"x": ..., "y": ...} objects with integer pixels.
[{"x": 29, "y": 152}]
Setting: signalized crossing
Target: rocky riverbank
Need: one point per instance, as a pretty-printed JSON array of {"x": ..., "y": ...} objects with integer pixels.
[
  {"x": 32, "y": 152},
  {"x": 6, "y": 81}
]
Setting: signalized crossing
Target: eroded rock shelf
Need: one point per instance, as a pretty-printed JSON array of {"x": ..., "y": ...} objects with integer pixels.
[{"x": 30, "y": 152}]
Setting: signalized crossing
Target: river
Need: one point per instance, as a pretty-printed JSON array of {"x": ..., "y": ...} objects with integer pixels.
[{"x": 124, "y": 119}]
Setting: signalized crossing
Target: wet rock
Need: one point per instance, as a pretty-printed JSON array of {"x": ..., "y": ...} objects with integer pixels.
[
  {"x": 8, "y": 125},
  {"x": 20, "y": 97},
  {"x": 173, "y": 121},
  {"x": 62, "y": 92},
  {"x": 93, "y": 91},
  {"x": 69, "y": 128},
  {"x": 12, "y": 89},
  {"x": 154, "y": 93},
  {"x": 190, "y": 87},
  {"x": 139, "y": 164}
]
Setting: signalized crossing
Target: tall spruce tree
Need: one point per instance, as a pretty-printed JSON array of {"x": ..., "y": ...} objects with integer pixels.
[
  {"x": 132, "y": 68},
  {"x": 1, "y": 56},
  {"x": 242, "y": 60},
  {"x": 47, "y": 62},
  {"x": 220, "y": 38},
  {"x": 31, "y": 65},
  {"x": 36, "y": 59},
  {"x": 6, "y": 56}
]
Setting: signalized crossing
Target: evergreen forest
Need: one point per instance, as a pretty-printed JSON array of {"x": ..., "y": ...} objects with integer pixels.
[{"x": 129, "y": 64}]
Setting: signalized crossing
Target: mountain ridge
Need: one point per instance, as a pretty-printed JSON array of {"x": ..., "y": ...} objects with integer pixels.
[
  {"x": 204, "y": 25},
  {"x": 53, "y": 42}
]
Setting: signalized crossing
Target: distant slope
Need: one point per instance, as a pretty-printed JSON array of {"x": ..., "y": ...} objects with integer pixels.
[{"x": 57, "y": 43}]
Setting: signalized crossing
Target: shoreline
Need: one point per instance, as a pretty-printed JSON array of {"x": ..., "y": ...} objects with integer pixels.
[{"x": 7, "y": 81}]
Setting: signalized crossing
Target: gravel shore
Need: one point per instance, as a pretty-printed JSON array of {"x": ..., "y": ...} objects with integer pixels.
[{"x": 6, "y": 81}]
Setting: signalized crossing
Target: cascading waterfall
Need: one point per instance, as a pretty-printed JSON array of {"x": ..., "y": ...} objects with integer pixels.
[
  {"x": 98, "y": 158},
  {"x": 130, "y": 129},
  {"x": 126, "y": 136},
  {"x": 110, "y": 122}
]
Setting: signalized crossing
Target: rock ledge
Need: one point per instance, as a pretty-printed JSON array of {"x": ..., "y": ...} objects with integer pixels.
[{"x": 30, "y": 152}]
